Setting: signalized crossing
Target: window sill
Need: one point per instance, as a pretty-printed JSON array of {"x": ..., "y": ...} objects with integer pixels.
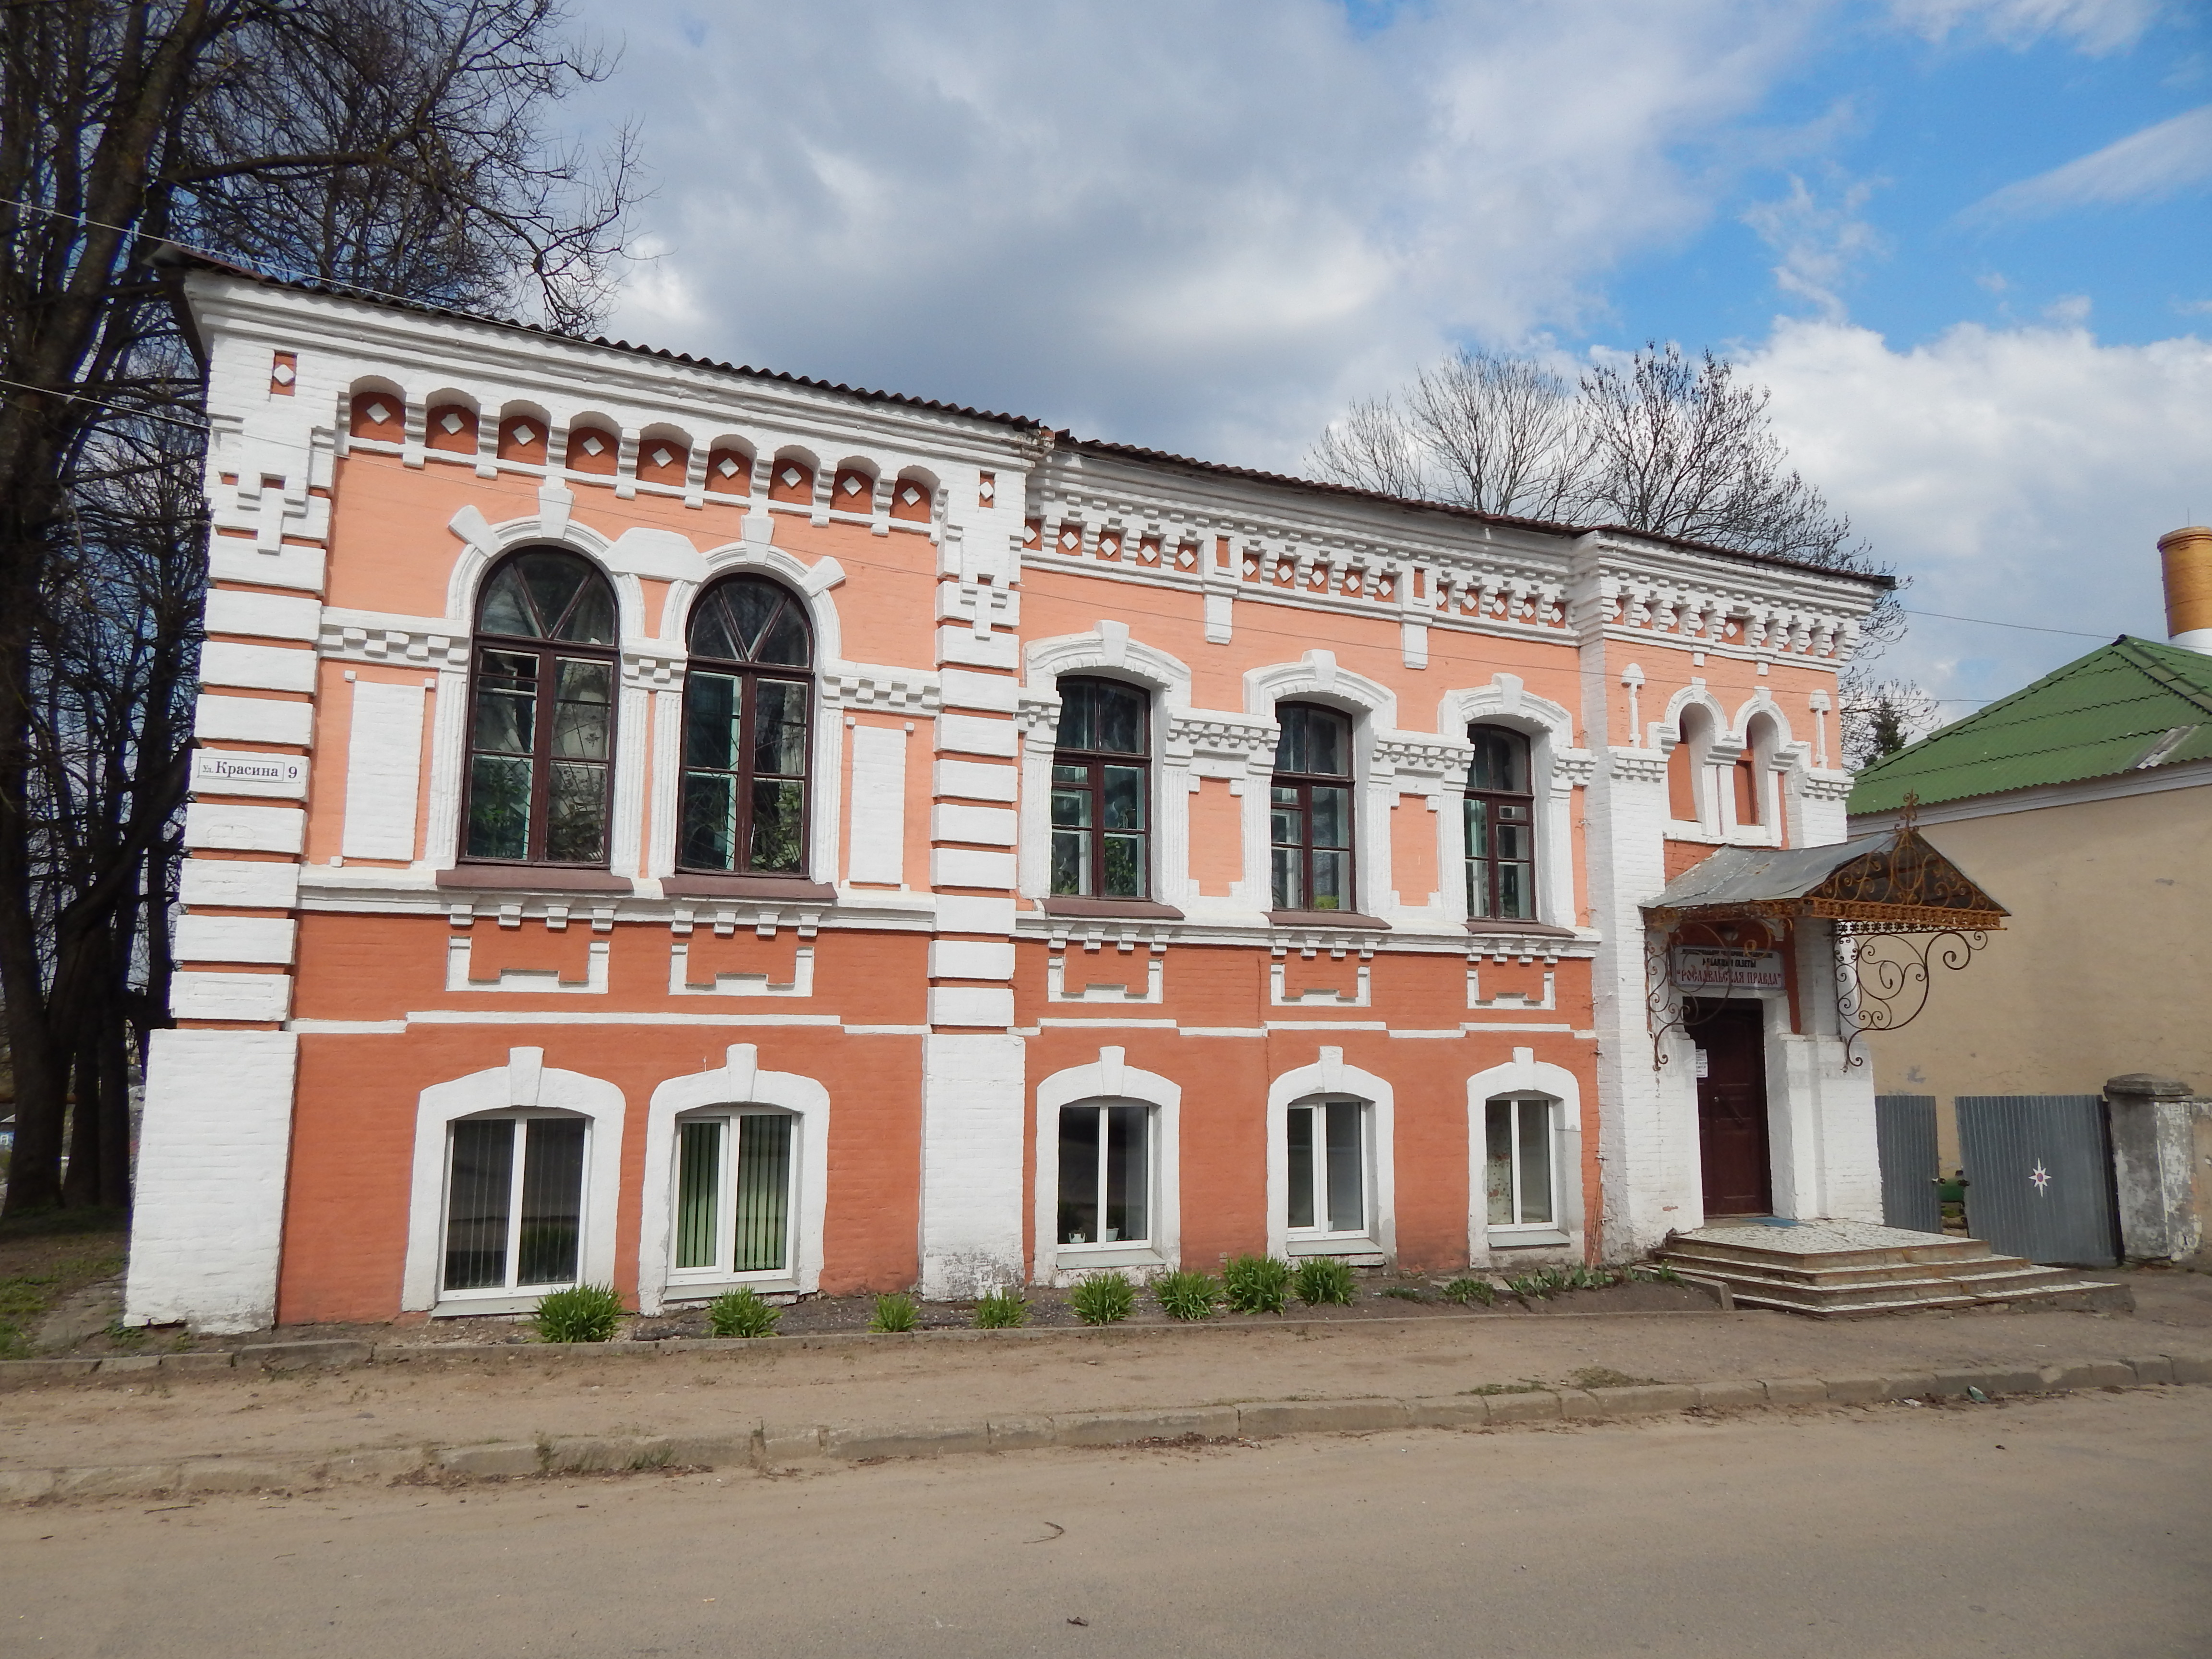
[
  {"x": 681, "y": 885},
  {"x": 1487, "y": 928},
  {"x": 1325, "y": 919},
  {"x": 1521, "y": 1239},
  {"x": 1360, "y": 1252},
  {"x": 1129, "y": 909},
  {"x": 705, "y": 1290},
  {"x": 467, "y": 1307},
  {"x": 534, "y": 878},
  {"x": 1075, "y": 1258}
]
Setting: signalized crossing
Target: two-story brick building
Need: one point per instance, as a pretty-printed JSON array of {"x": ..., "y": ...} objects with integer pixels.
[{"x": 681, "y": 826}]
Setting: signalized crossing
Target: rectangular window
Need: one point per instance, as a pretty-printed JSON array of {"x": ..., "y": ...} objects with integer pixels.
[
  {"x": 1105, "y": 1174},
  {"x": 1101, "y": 790},
  {"x": 511, "y": 1224},
  {"x": 1309, "y": 811},
  {"x": 733, "y": 1213},
  {"x": 1517, "y": 1165},
  {"x": 1328, "y": 1168}
]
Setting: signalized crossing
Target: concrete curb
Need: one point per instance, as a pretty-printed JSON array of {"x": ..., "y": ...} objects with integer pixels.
[{"x": 766, "y": 1446}]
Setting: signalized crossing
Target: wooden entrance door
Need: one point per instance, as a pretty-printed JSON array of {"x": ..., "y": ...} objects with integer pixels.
[{"x": 1732, "y": 1145}]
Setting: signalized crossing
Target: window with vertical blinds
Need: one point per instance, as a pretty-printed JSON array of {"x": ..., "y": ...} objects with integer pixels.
[
  {"x": 733, "y": 1194},
  {"x": 513, "y": 1222}
]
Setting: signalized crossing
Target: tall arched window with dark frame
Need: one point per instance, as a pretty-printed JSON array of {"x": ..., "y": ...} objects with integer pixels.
[
  {"x": 1501, "y": 827},
  {"x": 1101, "y": 791},
  {"x": 1310, "y": 810},
  {"x": 748, "y": 704},
  {"x": 541, "y": 716}
]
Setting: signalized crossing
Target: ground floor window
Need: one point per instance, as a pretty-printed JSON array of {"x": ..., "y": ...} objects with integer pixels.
[
  {"x": 1328, "y": 1168},
  {"x": 514, "y": 1202},
  {"x": 1105, "y": 1174},
  {"x": 1517, "y": 1165},
  {"x": 733, "y": 1204}
]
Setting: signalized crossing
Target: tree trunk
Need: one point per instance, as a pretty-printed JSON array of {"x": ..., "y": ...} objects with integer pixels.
[{"x": 81, "y": 1181}]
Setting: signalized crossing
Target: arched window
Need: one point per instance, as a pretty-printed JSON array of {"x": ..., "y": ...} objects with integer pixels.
[
  {"x": 747, "y": 700},
  {"x": 1501, "y": 828},
  {"x": 1101, "y": 792},
  {"x": 1684, "y": 795},
  {"x": 541, "y": 727},
  {"x": 1310, "y": 815},
  {"x": 1751, "y": 769}
]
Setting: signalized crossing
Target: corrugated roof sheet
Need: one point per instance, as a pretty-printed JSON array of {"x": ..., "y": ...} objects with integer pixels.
[
  {"x": 2134, "y": 703},
  {"x": 1755, "y": 875}
]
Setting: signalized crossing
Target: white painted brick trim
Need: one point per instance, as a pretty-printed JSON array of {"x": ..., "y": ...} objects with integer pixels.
[
  {"x": 245, "y": 829},
  {"x": 256, "y": 667},
  {"x": 235, "y": 939},
  {"x": 269, "y": 616}
]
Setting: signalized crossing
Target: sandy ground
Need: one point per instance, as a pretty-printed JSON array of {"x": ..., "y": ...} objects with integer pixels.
[
  {"x": 581, "y": 1392},
  {"x": 2057, "y": 1527}
]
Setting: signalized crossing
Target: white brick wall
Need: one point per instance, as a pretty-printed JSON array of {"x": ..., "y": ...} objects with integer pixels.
[
  {"x": 234, "y": 938},
  {"x": 213, "y": 1151},
  {"x": 987, "y": 826},
  {"x": 959, "y": 914},
  {"x": 972, "y": 1115},
  {"x": 245, "y": 829},
  {"x": 973, "y": 780},
  {"x": 972, "y": 734},
  {"x": 257, "y": 997},
  {"x": 268, "y": 885},
  {"x": 256, "y": 667},
  {"x": 970, "y": 1004},
  {"x": 878, "y": 805},
  {"x": 270, "y": 615},
  {"x": 952, "y": 867},
  {"x": 970, "y": 959},
  {"x": 384, "y": 768},
  {"x": 960, "y": 688},
  {"x": 254, "y": 719}
]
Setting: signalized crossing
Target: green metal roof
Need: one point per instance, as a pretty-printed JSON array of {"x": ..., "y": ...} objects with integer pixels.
[{"x": 2131, "y": 704}]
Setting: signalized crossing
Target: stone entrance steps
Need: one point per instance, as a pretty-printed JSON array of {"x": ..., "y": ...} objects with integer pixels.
[{"x": 1841, "y": 1269}]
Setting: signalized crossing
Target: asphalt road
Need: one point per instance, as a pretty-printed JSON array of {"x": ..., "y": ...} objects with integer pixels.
[{"x": 2080, "y": 1526}]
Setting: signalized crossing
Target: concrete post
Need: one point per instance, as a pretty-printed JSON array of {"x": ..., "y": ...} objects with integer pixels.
[{"x": 2161, "y": 1166}]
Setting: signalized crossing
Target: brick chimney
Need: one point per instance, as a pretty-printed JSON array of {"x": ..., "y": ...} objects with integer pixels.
[{"x": 2188, "y": 557}]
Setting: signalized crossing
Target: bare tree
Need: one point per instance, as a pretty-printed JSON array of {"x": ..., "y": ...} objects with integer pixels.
[
  {"x": 1879, "y": 717},
  {"x": 395, "y": 145}
]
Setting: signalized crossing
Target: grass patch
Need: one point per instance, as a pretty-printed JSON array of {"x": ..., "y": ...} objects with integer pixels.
[
  {"x": 1466, "y": 1291},
  {"x": 1404, "y": 1293},
  {"x": 895, "y": 1311},
  {"x": 742, "y": 1313},
  {"x": 1550, "y": 1281},
  {"x": 1506, "y": 1387},
  {"x": 582, "y": 1313},
  {"x": 44, "y": 1277},
  {"x": 1188, "y": 1295},
  {"x": 1255, "y": 1284},
  {"x": 1104, "y": 1299},
  {"x": 1604, "y": 1376},
  {"x": 1002, "y": 1310},
  {"x": 1324, "y": 1280}
]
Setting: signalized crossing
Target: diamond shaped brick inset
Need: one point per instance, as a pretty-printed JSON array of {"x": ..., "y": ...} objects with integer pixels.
[
  {"x": 378, "y": 413},
  {"x": 1068, "y": 538},
  {"x": 283, "y": 375},
  {"x": 525, "y": 434},
  {"x": 728, "y": 468},
  {"x": 661, "y": 458},
  {"x": 790, "y": 476},
  {"x": 591, "y": 446},
  {"x": 450, "y": 420},
  {"x": 910, "y": 494},
  {"x": 852, "y": 485}
]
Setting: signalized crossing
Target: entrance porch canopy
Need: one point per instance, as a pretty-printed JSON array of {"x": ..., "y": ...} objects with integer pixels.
[{"x": 1891, "y": 882}]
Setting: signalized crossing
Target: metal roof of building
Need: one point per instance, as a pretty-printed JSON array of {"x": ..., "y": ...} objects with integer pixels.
[{"x": 2128, "y": 705}]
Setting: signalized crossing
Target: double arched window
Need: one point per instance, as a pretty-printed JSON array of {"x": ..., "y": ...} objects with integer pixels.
[
  {"x": 747, "y": 706},
  {"x": 1501, "y": 828},
  {"x": 541, "y": 724},
  {"x": 1310, "y": 810}
]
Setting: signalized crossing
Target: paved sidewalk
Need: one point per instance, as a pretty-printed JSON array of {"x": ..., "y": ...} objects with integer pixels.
[{"x": 508, "y": 1410}]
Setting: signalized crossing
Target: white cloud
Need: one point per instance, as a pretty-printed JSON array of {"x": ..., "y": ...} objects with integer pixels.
[
  {"x": 2023, "y": 475},
  {"x": 1820, "y": 241},
  {"x": 2095, "y": 26},
  {"x": 1203, "y": 227},
  {"x": 2143, "y": 166}
]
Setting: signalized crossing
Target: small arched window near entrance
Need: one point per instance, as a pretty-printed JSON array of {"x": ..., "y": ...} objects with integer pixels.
[
  {"x": 748, "y": 698},
  {"x": 1501, "y": 827},
  {"x": 541, "y": 720}
]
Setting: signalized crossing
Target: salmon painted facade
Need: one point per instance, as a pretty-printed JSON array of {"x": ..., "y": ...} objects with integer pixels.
[{"x": 682, "y": 826}]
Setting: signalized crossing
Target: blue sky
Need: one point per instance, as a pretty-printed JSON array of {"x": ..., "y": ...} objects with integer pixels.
[{"x": 1965, "y": 241}]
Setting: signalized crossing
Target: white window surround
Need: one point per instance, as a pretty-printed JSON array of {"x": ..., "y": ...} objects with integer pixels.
[
  {"x": 1329, "y": 1077},
  {"x": 1521, "y": 1077},
  {"x": 1109, "y": 1080},
  {"x": 739, "y": 1081},
  {"x": 1668, "y": 735},
  {"x": 1781, "y": 763},
  {"x": 524, "y": 1081},
  {"x": 1109, "y": 653},
  {"x": 1550, "y": 729},
  {"x": 1373, "y": 708}
]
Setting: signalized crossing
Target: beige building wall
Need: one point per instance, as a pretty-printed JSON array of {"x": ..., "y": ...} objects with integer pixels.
[{"x": 2104, "y": 967}]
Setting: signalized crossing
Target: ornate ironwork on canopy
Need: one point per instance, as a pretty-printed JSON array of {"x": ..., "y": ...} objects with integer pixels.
[{"x": 1897, "y": 908}]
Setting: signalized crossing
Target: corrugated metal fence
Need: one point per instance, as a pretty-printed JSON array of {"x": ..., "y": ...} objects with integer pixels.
[
  {"x": 1904, "y": 1135},
  {"x": 2039, "y": 1177}
]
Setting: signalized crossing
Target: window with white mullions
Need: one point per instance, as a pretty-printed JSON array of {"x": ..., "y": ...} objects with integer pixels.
[
  {"x": 1328, "y": 1170},
  {"x": 541, "y": 720},
  {"x": 514, "y": 1203},
  {"x": 1105, "y": 1174},
  {"x": 1101, "y": 792},
  {"x": 733, "y": 1195},
  {"x": 747, "y": 697},
  {"x": 1310, "y": 810},
  {"x": 1518, "y": 1166},
  {"x": 1501, "y": 828}
]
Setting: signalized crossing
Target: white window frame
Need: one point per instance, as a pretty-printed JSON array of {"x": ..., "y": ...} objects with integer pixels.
[
  {"x": 718, "y": 1276},
  {"x": 1523, "y": 1078},
  {"x": 510, "y": 1286},
  {"x": 1503, "y": 1231},
  {"x": 1329, "y": 1077},
  {"x": 1322, "y": 1239},
  {"x": 1104, "y": 1253},
  {"x": 523, "y": 1083},
  {"x": 1108, "y": 1081}
]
